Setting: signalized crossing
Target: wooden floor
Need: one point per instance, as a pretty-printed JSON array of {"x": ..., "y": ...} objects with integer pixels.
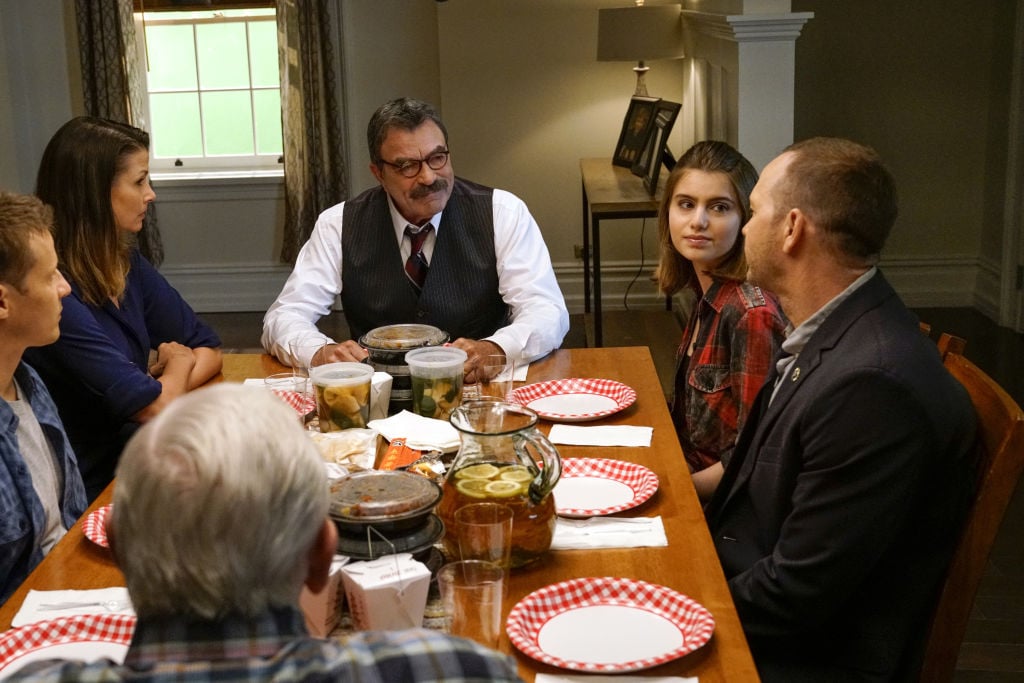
[{"x": 993, "y": 650}]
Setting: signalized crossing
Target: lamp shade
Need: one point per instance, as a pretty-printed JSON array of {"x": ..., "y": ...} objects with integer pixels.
[{"x": 630, "y": 34}]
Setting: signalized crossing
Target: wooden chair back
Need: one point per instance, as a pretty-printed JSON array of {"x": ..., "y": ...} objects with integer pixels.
[
  {"x": 999, "y": 461},
  {"x": 949, "y": 343}
]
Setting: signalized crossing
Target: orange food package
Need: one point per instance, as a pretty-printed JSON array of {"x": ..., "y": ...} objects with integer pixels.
[{"x": 398, "y": 455}]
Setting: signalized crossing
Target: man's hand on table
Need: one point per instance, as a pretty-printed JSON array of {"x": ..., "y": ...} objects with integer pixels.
[
  {"x": 477, "y": 352},
  {"x": 345, "y": 351}
]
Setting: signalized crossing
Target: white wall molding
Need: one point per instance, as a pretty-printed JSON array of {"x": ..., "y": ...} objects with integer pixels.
[
  {"x": 922, "y": 282},
  {"x": 218, "y": 188},
  {"x": 768, "y": 27},
  {"x": 987, "y": 291},
  {"x": 749, "y": 27},
  {"x": 228, "y": 288}
]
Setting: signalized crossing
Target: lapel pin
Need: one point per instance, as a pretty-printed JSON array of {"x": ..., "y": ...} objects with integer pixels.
[{"x": 796, "y": 375}]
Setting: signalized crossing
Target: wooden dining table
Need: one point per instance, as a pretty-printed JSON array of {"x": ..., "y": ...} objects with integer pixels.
[{"x": 688, "y": 564}]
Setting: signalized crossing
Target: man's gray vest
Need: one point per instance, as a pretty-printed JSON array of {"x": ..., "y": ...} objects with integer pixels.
[{"x": 460, "y": 295}]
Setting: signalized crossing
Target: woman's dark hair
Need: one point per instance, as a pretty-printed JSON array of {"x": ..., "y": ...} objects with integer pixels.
[{"x": 75, "y": 177}]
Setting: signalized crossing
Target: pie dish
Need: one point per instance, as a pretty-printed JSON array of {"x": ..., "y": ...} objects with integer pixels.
[
  {"x": 590, "y": 487},
  {"x": 580, "y": 625},
  {"x": 83, "y": 637},
  {"x": 575, "y": 399},
  {"x": 94, "y": 526}
]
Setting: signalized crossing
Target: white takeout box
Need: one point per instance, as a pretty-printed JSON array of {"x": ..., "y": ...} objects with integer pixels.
[
  {"x": 380, "y": 395},
  {"x": 323, "y": 610},
  {"x": 387, "y": 593}
]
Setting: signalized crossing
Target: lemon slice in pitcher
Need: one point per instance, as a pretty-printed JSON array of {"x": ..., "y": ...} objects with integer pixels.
[
  {"x": 474, "y": 488},
  {"x": 516, "y": 473},
  {"x": 502, "y": 489},
  {"x": 482, "y": 471}
]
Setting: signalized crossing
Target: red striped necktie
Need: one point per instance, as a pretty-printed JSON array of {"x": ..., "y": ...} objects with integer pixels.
[{"x": 416, "y": 265}]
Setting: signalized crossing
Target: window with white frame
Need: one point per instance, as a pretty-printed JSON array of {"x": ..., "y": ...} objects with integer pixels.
[{"x": 213, "y": 99}]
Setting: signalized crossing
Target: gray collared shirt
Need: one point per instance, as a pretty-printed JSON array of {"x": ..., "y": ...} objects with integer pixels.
[{"x": 797, "y": 338}]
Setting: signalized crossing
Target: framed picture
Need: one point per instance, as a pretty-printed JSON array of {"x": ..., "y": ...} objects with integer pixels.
[
  {"x": 636, "y": 128},
  {"x": 656, "y": 153}
]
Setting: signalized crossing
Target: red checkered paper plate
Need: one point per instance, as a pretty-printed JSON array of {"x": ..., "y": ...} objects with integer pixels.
[
  {"x": 575, "y": 399},
  {"x": 607, "y": 625},
  {"x": 590, "y": 487},
  {"x": 303, "y": 405},
  {"x": 95, "y": 526},
  {"x": 82, "y": 637}
]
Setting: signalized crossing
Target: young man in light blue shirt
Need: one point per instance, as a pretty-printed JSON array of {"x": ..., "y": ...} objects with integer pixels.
[{"x": 41, "y": 491}]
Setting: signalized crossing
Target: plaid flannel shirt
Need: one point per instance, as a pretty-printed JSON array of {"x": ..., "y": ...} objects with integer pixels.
[
  {"x": 276, "y": 647},
  {"x": 741, "y": 329}
]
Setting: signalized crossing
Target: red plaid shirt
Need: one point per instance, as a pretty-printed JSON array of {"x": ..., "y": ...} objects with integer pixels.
[{"x": 741, "y": 329}]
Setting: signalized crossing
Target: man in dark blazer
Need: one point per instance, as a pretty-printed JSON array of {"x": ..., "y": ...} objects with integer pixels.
[{"x": 836, "y": 516}]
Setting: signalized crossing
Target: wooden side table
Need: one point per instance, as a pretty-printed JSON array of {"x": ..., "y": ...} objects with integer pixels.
[{"x": 609, "y": 192}]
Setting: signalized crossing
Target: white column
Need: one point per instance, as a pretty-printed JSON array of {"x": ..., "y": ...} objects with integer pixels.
[{"x": 756, "y": 56}]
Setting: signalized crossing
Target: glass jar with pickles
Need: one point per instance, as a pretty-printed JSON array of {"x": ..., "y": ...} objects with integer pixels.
[{"x": 503, "y": 459}]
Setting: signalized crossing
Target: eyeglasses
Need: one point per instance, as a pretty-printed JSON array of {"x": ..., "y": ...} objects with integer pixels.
[{"x": 410, "y": 168}]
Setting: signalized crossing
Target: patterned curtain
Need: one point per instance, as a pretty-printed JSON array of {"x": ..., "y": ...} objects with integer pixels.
[
  {"x": 112, "y": 83},
  {"x": 314, "y": 167}
]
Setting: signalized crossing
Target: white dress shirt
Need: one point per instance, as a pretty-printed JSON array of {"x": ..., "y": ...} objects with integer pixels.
[{"x": 526, "y": 282}]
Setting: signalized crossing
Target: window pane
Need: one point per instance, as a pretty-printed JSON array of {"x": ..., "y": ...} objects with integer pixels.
[
  {"x": 263, "y": 53},
  {"x": 172, "y": 58},
  {"x": 228, "y": 122},
  {"x": 176, "y": 128},
  {"x": 223, "y": 57},
  {"x": 267, "y": 105}
]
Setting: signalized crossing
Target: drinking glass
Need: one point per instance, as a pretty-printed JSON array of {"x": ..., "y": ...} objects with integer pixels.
[
  {"x": 484, "y": 531},
  {"x": 304, "y": 351},
  {"x": 472, "y": 592},
  {"x": 282, "y": 381},
  {"x": 496, "y": 377}
]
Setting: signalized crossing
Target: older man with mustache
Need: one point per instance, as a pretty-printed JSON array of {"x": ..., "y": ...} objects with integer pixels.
[{"x": 424, "y": 247}]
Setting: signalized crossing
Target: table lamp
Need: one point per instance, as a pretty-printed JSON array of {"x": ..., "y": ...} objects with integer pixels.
[{"x": 627, "y": 34}]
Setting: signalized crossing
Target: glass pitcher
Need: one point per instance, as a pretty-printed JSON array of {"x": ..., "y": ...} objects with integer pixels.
[{"x": 503, "y": 459}]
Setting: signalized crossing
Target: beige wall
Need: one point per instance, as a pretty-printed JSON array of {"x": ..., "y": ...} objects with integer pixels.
[
  {"x": 927, "y": 85},
  {"x": 524, "y": 99},
  {"x": 35, "y": 83},
  {"x": 390, "y": 50}
]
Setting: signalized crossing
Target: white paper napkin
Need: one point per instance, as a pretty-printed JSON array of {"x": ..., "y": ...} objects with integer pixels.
[
  {"x": 519, "y": 374},
  {"x": 559, "y": 678},
  {"x": 31, "y": 609},
  {"x": 606, "y": 435},
  {"x": 421, "y": 433},
  {"x": 609, "y": 532}
]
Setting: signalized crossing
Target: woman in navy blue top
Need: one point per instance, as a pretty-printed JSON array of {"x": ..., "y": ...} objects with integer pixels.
[{"x": 129, "y": 344}]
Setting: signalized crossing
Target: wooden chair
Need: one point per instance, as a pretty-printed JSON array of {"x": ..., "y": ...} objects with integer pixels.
[
  {"x": 999, "y": 461},
  {"x": 949, "y": 343}
]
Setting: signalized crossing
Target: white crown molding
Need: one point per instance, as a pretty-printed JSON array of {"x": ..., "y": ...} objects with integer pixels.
[{"x": 749, "y": 27}]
